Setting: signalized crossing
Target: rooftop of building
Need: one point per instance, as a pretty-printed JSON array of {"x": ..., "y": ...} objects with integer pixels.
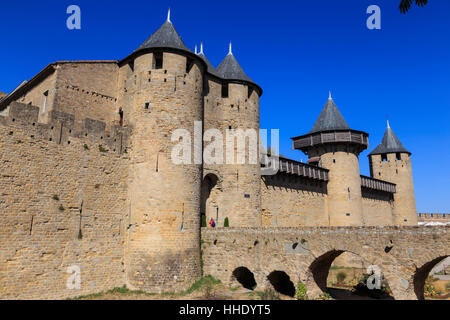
[
  {"x": 330, "y": 118},
  {"x": 167, "y": 37},
  {"x": 389, "y": 144}
]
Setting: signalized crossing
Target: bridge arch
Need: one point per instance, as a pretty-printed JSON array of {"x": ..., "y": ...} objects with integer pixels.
[
  {"x": 245, "y": 277},
  {"x": 319, "y": 270},
  {"x": 282, "y": 283},
  {"x": 421, "y": 275}
]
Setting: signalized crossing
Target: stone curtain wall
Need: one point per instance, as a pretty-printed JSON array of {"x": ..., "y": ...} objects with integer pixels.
[
  {"x": 293, "y": 201},
  {"x": 405, "y": 255},
  {"x": 62, "y": 203},
  {"x": 85, "y": 89},
  {"x": 88, "y": 89},
  {"x": 290, "y": 201},
  {"x": 377, "y": 211},
  {"x": 36, "y": 97}
]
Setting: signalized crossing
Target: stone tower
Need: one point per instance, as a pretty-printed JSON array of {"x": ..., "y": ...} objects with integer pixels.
[
  {"x": 391, "y": 161},
  {"x": 331, "y": 144},
  {"x": 232, "y": 107},
  {"x": 161, "y": 90}
]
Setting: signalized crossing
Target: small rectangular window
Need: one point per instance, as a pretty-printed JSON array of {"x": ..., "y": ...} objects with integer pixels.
[
  {"x": 147, "y": 105},
  {"x": 384, "y": 157},
  {"x": 225, "y": 90},
  {"x": 398, "y": 156},
  {"x": 157, "y": 60}
]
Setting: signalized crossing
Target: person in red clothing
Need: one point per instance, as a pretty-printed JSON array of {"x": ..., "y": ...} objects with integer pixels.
[{"x": 212, "y": 223}]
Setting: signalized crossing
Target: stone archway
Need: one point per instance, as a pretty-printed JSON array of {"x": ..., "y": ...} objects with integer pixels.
[
  {"x": 245, "y": 277},
  {"x": 421, "y": 275},
  {"x": 319, "y": 271},
  {"x": 209, "y": 206},
  {"x": 282, "y": 283}
]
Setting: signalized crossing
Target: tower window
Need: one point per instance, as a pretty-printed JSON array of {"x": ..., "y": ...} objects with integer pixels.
[
  {"x": 147, "y": 105},
  {"x": 157, "y": 60},
  {"x": 121, "y": 116},
  {"x": 44, "y": 103},
  {"x": 384, "y": 157},
  {"x": 398, "y": 156},
  {"x": 224, "y": 90}
]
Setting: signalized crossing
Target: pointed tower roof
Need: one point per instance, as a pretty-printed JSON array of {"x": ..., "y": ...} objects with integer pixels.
[
  {"x": 389, "y": 144},
  {"x": 165, "y": 37},
  {"x": 330, "y": 118},
  {"x": 210, "y": 67},
  {"x": 230, "y": 69}
]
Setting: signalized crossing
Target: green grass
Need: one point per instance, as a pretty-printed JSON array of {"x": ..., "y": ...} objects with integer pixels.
[
  {"x": 120, "y": 290},
  {"x": 337, "y": 268},
  {"x": 202, "y": 282},
  {"x": 205, "y": 282}
]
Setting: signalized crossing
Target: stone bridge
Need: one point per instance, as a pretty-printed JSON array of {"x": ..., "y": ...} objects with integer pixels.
[{"x": 405, "y": 255}]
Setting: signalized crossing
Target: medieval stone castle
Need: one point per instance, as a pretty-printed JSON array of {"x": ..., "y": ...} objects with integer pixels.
[{"x": 87, "y": 178}]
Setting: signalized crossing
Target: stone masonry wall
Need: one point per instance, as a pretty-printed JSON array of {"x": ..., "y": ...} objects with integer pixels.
[
  {"x": 62, "y": 204},
  {"x": 36, "y": 97},
  {"x": 377, "y": 208},
  {"x": 290, "y": 201},
  {"x": 398, "y": 171},
  {"x": 239, "y": 199},
  {"x": 163, "y": 240},
  {"x": 88, "y": 90},
  {"x": 84, "y": 89}
]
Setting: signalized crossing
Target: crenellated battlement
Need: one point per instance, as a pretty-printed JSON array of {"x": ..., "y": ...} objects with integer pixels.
[{"x": 63, "y": 127}]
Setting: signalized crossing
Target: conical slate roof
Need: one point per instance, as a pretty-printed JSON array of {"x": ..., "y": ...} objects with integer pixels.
[
  {"x": 211, "y": 68},
  {"x": 389, "y": 144},
  {"x": 230, "y": 69},
  {"x": 165, "y": 37},
  {"x": 330, "y": 118}
]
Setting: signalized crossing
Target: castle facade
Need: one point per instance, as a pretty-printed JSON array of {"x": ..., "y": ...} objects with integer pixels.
[{"x": 88, "y": 179}]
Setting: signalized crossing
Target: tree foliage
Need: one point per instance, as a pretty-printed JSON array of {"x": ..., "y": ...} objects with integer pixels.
[{"x": 405, "y": 5}]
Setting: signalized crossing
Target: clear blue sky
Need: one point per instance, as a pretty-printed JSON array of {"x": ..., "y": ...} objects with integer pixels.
[{"x": 295, "y": 50}]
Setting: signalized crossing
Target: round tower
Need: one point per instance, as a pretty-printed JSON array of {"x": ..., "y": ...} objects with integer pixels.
[
  {"x": 331, "y": 144},
  {"x": 160, "y": 87},
  {"x": 232, "y": 107},
  {"x": 391, "y": 161}
]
